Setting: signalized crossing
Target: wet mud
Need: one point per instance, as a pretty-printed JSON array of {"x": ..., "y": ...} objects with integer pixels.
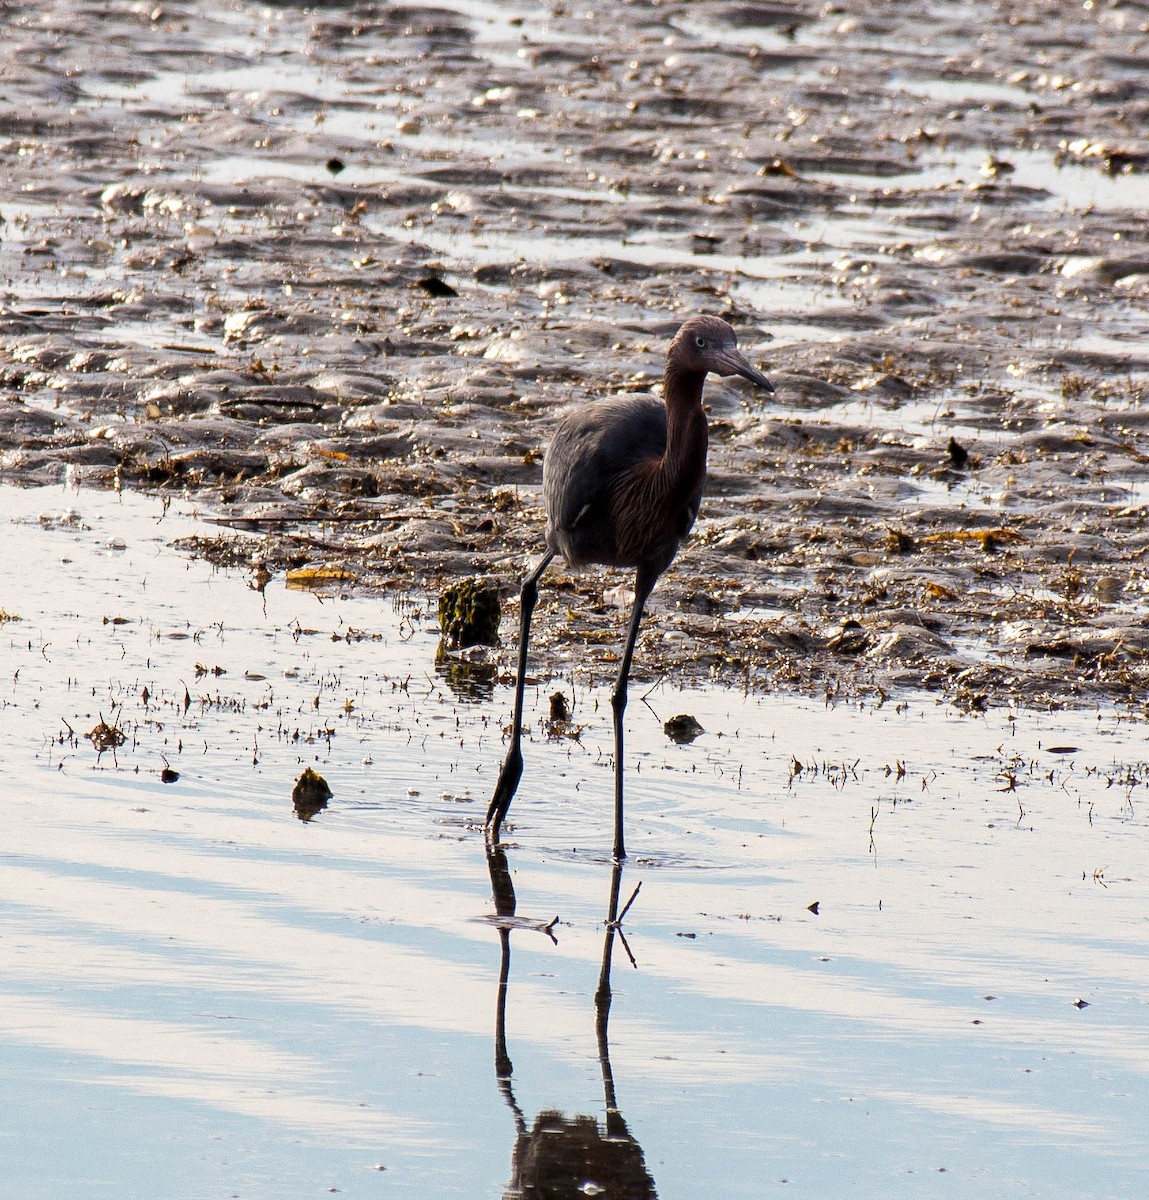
[{"x": 335, "y": 271}]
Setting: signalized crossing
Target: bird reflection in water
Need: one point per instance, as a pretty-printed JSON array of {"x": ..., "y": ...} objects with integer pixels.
[{"x": 562, "y": 1156}]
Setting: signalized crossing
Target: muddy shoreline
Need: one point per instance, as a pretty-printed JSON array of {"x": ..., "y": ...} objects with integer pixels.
[{"x": 334, "y": 272}]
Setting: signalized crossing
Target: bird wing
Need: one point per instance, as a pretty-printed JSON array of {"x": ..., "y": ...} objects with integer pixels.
[{"x": 593, "y": 450}]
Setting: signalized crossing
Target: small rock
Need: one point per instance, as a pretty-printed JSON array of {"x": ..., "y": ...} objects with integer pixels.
[
  {"x": 682, "y": 729},
  {"x": 469, "y": 613},
  {"x": 310, "y": 794}
]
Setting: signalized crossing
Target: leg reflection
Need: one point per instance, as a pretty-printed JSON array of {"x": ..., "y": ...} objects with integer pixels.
[
  {"x": 503, "y": 891},
  {"x": 563, "y": 1155}
]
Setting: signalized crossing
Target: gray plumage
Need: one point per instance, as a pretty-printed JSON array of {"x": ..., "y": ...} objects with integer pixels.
[{"x": 586, "y": 465}]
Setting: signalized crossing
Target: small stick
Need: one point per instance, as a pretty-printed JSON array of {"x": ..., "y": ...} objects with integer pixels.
[
  {"x": 626, "y": 947},
  {"x": 617, "y": 922}
]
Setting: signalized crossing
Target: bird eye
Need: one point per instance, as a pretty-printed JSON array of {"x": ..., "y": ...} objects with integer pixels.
[{"x": 700, "y": 342}]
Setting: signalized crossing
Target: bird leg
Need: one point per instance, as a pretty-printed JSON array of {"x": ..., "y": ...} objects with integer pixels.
[
  {"x": 512, "y": 770},
  {"x": 643, "y": 585}
]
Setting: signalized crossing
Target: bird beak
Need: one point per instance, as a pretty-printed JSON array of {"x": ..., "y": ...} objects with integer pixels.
[{"x": 733, "y": 362}]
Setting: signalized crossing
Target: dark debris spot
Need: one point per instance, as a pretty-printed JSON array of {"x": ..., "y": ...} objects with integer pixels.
[
  {"x": 310, "y": 794},
  {"x": 434, "y": 286},
  {"x": 682, "y": 729}
]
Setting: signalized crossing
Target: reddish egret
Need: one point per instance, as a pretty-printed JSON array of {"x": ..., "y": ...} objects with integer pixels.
[{"x": 622, "y": 481}]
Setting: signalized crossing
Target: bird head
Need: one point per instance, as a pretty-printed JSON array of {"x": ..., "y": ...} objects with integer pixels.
[{"x": 705, "y": 344}]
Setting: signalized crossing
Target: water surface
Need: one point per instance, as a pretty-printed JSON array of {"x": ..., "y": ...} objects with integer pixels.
[{"x": 200, "y": 987}]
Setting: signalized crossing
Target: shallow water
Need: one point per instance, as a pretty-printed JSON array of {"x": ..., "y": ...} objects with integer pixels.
[
  {"x": 881, "y": 946},
  {"x": 354, "y": 259},
  {"x": 197, "y": 986}
]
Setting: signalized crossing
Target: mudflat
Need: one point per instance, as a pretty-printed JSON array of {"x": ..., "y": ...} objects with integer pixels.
[{"x": 337, "y": 270}]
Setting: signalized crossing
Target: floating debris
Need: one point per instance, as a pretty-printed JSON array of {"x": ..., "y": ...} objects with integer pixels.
[
  {"x": 310, "y": 794},
  {"x": 303, "y": 578},
  {"x": 682, "y": 729},
  {"x": 106, "y": 737},
  {"x": 559, "y": 723}
]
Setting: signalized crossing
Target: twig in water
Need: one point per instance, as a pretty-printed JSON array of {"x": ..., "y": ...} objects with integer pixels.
[
  {"x": 626, "y": 947},
  {"x": 617, "y": 922}
]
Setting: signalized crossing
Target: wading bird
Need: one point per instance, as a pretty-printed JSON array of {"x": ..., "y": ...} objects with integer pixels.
[{"x": 622, "y": 481}]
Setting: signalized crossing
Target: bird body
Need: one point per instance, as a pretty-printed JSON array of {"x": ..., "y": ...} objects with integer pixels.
[
  {"x": 591, "y": 487},
  {"x": 622, "y": 484}
]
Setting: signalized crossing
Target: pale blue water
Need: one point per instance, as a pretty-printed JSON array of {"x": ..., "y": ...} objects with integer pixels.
[{"x": 202, "y": 996}]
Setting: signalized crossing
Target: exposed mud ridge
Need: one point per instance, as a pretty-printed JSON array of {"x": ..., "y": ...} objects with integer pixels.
[{"x": 336, "y": 270}]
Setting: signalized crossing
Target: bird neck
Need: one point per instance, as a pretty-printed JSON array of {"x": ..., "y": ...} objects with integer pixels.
[{"x": 686, "y": 432}]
